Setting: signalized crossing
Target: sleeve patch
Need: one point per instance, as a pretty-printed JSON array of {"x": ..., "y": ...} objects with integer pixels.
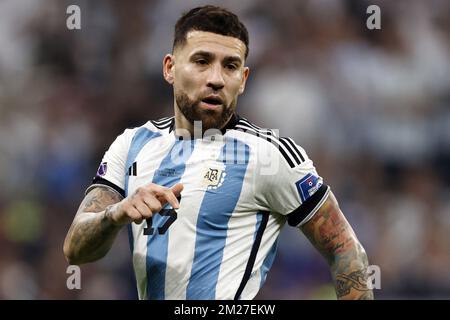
[
  {"x": 308, "y": 185},
  {"x": 102, "y": 169}
]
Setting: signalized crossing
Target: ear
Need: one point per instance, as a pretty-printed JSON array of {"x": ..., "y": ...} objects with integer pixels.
[
  {"x": 244, "y": 79},
  {"x": 168, "y": 68}
]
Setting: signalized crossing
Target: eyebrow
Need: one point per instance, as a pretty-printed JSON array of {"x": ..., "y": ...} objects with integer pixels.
[
  {"x": 203, "y": 54},
  {"x": 210, "y": 56},
  {"x": 231, "y": 59}
]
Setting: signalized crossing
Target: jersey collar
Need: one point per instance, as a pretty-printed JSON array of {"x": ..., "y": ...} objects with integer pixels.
[{"x": 231, "y": 124}]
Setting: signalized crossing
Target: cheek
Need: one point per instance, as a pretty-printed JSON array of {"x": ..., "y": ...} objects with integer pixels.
[
  {"x": 186, "y": 80},
  {"x": 235, "y": 84}
]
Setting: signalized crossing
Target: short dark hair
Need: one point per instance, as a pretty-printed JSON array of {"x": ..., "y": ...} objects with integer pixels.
[{"x": 210, "y": 19}]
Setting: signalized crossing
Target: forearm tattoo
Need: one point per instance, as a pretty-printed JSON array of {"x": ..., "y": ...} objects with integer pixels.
[
  {"x": 332, "y": 235},
  {"x": 92, "y": 233},
  {"x": 98, "y": 199}
]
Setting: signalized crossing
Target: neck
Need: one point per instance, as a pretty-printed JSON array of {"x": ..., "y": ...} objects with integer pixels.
[{"x": 182, "y": 124}]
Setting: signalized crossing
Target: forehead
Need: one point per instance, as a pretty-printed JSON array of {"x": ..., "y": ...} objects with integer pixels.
[{"x": 214, "y": 43}]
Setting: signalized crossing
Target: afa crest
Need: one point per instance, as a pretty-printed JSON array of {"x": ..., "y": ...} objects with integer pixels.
[{"x": 214, "y": 176}]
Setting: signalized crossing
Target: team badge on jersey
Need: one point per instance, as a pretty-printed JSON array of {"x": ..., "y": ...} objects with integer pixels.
[
  {"x": 214, "y": 175},
  {"x": 102, "y": 169},
  {"x": 308, "y": 185}
]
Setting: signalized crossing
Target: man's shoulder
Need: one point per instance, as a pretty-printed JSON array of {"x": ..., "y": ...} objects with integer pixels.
[
  {"x": 155, "y": 127},
  {"x": 165, "y": 124},
  {"x": 248, "y": 129},
  {"x": 270, "y": 140}
]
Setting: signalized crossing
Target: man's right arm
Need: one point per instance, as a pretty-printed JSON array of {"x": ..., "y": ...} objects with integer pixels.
[
  {"x": 103, "y": 212},
  {"x": 92, "y": 232}
]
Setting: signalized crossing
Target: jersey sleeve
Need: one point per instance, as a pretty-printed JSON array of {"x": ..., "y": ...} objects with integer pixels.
[
  {"x": 294, "y": 189},
  {"x": 111, "y": 171}
]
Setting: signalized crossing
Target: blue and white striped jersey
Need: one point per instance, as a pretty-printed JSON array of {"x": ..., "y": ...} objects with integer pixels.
[{"x": 239, "y": 190}]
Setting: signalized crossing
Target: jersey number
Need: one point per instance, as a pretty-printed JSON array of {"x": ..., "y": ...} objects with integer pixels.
[{"x": 171, "y": 213}]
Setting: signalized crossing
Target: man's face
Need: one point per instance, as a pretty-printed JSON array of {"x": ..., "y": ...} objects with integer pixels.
[{"x": 207, "y": 74}]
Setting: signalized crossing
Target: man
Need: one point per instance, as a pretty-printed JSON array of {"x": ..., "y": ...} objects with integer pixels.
[{"x": 203, "y": 213}]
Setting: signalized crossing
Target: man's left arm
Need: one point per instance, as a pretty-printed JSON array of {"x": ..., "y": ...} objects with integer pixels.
[{"x": 331, "y": 234}]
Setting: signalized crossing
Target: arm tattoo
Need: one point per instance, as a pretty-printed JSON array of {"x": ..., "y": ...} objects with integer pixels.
[
  {"x": 345, "y": 282},
  {"x": 98, "y": 199},
  {"x": 92, "y": 234},
  {"x": 333, "y": 236}
]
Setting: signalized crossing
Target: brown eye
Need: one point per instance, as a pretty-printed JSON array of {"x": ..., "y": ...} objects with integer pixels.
[
  {"x": 201, "y": 62},
  {"x": 231, "y": 66}
]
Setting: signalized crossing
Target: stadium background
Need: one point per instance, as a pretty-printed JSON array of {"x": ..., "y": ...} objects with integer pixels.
[{"x": 372, "y": 109}]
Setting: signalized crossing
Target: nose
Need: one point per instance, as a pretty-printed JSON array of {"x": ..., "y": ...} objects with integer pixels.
[{"x": 215, "y": 78}]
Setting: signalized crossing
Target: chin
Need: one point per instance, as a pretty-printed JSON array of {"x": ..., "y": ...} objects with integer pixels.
[
  {"x": 212, "y": 119},
  {"x": 211, "y": 122}
]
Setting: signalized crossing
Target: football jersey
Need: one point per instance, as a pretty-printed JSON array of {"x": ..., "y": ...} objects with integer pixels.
[{"x": 241, "y": 185}]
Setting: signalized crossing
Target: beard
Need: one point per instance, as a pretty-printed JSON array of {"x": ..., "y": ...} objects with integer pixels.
[{"x": 210, "y": 119}]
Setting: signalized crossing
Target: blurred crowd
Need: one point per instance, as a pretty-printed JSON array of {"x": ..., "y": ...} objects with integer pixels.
[{"x": 371, "y": 108}]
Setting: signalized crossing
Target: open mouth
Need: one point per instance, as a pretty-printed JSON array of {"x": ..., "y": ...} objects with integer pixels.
[{"x": 214, "y": 101}]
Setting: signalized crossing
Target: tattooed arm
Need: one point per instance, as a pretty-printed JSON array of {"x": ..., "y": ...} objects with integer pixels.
[
  {"x": 103, "y": 212},
  {"x": 332, "y": 235},
  {"x": 92, "y": 232}
]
